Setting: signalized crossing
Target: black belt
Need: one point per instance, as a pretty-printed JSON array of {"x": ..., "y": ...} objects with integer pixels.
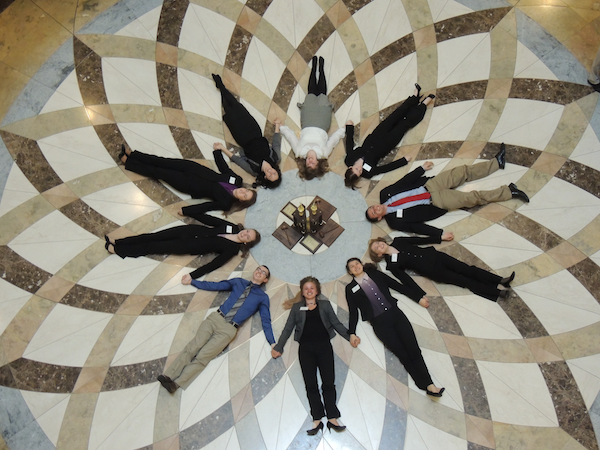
[{"x": 223, "y": 316}]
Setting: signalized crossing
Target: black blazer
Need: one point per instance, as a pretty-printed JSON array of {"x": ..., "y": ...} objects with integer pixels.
[
  {"x": 370, "y": 154},
  {"x": 222, "y": 200},
  {"x": 359, "y": 300},
  {"x": 297, "y": 318},
  {"x": 412, "y": 218}
]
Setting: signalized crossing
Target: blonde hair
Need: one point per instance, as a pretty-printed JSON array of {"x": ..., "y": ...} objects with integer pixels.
[{"x": 299, "y": 297}]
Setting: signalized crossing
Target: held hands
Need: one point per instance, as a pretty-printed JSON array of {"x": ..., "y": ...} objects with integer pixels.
[
  {"x": 349, "y": 122},
  {"x": 277, "y": 123},
  {"x": 424, "y": 302},
  {"x": 408, "y": 158},
  {"x": 427, "y": 165},
  {"x": 274, "y": 353},
  {"x": 354, "y": 340},
  {"x": 186, "y": 279},
  {"x": 447, "y": 236}
]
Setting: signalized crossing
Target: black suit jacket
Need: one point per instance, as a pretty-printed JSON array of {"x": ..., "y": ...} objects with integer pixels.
[
  {"x": 412, "y": 218},
  {"x": 357, "y": 299}
]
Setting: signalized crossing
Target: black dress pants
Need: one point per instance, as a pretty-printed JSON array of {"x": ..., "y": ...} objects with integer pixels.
[
  {"x": 395, "y": 331},
  {"x": 313, "y": 356}
]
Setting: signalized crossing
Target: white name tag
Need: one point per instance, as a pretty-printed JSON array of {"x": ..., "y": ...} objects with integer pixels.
[
  {"x": 355, "y": 289},
  {"x": 229, "y": 229},
  {"x": 366, "y": 167},
  {"x": 395, "y": 257},
  {"x": 304, "y": 308},
  {"x": 399, "y": 213},
  {"x": 231, "y": 180}
]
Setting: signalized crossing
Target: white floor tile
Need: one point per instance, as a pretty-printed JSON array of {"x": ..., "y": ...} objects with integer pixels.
[
  {"x": 517, "y": 393},
  {"x": 66, "y": 96},
  {"x": 262, "y": 67},
  {"x": 350, "y": 110},
  {"x": 293, "y": 112},
  {"x": 528, "y": 65},
  {"x": 422, "y": 436},
  {"x": 499, "y": 247},
  {"x": 363, "y": 410},
  {"x": 587, "y": 150},
  {"x": 559, "y": 200},
  {"x": 560, "y": 302},
  {"x": 527, "y": 123},
  {"x": 370, "y": 344},
  {"x": 75, "y": 153},
  {"x": 130, "y": 81},
  {"x": 149, "y": 338},
  {"x": 206, "y": 33},
  {"x": 17, "y": 190},
  {"x": 258, "y": 116},
  {"x": 205, "y": 144},
  {"x": 382, "y": 22},
  {"x": 586, "y": 372},
  {"x": 174, "y": 286},
  {"x": 152, "y": 138},
  {"x": 443, "y": 374},
  {"x": 293, "y": 18},
  {"x": 227, "y": 441},
  {"x": 67, "y": 336},
  {"x": 144, "y": 27},
  {"x": 481, "y": 318},
  {"x": 199, "y": 94},
  {"x": 337, "y": 61},
  {"x": 124, "y": 419},
  {"x": 12, "y": 300},
  {"x": 415, "y": 312},
  {"x": 119, "y": 275},
  {"x": 52, "y": 241},
  {"x": 49, "y": 411},
  {"x": 208, "y": 392},
  {"x": 122, "y": 203},
  {"x": 453, "y": 122},
  {"x": 464, "y": 59},
  {"x": 397, "y": 81},
  {"x": 280, "y": 414},
  {"x": 260, "y": 353},
  {"x": 445, "y": 9}
]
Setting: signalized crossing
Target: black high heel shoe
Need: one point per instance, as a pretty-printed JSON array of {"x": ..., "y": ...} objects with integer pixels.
[
  {"x": 315, "y": 430},
  {"x": 338, "y": 428},
  {"x": 123, "y": 153},
  {"x": 506, "y": 281},
  {"x": 107, "y": 242},
  {"x": 418, "y": 89},
  {"x": 435, "y": 394}
]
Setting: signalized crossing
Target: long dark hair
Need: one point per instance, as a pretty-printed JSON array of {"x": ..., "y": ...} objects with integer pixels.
[
  {"x": 238, "y": 205},
  {"x": 308, "y": 174},
  {"x": 261, "y": 180},
  {"x": 351, "y": 179},
  {"x": 365, "y": 266},
  {"x": 298, "y": 297}
]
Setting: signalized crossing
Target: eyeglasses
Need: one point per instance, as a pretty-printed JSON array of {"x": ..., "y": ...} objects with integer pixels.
[{"x": 263, "y": 271}]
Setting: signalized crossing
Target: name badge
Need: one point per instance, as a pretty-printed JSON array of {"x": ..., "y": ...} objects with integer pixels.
[
  {"x": 231, "y": 180},
  {"x": 399, "y": 213},
  {"x": 395, "y": 257},
  {"x": 355, "y": 289},
  {"x": 366, "y": 167},
  {"x": 304, "y": 308},
  {"x": 229, "y": 229}
]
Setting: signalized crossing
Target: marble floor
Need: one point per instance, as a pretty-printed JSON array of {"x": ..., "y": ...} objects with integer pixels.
[{"x": 83, "y": 334}]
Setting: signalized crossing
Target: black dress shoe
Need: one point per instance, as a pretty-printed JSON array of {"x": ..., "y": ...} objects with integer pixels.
[
  {"x": 436, "y": 394},
  {"x": 338, "y": 428},
  {"x": 107, "y": 243},
  {"x": 418, "y": 89},
  {"x": 595, "y": 86},
  {"x": 501, "y": 156},
  {"x": 167, "y": 383},
  {"x": 517, "y": 193},
  {"x": 123, "y": 152},
  {"x": 315, "y": 430},
  {"x": 218, "y": 81},
  {"x": 506, "y": 281}
]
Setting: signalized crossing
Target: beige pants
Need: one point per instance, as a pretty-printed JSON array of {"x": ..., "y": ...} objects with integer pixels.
[
  {"x": 213, "y": 335},
  {"x": 441, "y": 187}
]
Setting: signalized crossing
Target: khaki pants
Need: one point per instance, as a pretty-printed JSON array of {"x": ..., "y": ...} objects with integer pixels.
[
  {"x": 441, "y": 187},
  {"x": 213, "y": 335}
]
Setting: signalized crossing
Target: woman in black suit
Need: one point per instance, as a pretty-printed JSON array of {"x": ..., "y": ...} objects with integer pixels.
[
  {"x": 315, "y": 321},
  {"x": 405, "y": 253},
  {"x": 256, "y": 157},
  {"x": 220, "y": 236},
  {"x": 224, "y": 189},
  {"x": 363, "y": 160},
  {"x": 369, "y": 291}
]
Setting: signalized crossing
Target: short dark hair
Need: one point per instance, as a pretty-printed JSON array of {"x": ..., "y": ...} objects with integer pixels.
[
  {"x": 370, "y": 219},
  {"x": 351, "y": 179}
]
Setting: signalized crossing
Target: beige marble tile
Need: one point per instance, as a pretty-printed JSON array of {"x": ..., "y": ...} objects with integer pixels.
[
  {"x": 369, "y": 105},
  {"x": 79, "y": 266},
  {"x": 166, "y": 54},
  {"x": 535, "y": 269},
  {"x": 544, "y": 349},
  {"x": 239, "y": 368},
  {"x": 175, "y": 118},
  {"x": 549, "y": 163},
  {"x": 566, "y": 254},
  {"x": 354, "y": 42},
  {"x": 268, "y": 34},
  {"x": 248, "y": 19},
  {"x": 134, "y": 305},
  {"x": 560, "y": 22},
  {"x": 430, "y": 339},
  {"x": 577, "y": 343},
  {"x": 437, "y": 415},
  {"x": 242, "y": 403},
  {"x": 45, "y": 125},
  {"x": 166, "y": 420},
  {"x": 418, "y": 13},
  {"x": 397, "y": 393},
  {"x": 369, "y": 372},
  {"x": 504, "y": 51},
  {"x": 55, "y": 289},
  {"x": 488, "y": 118},
  {"x": 516, "y": 436},
  {"x": 425, "y": 37},
  {"x": 18, "y": 219},
  {"x": 569, "y": 131},
  {"x": 501, "y": 350},
  {"x": 228, "y": 8},
  {"x": 457, "y": 345},
  {"x": 75, "y": 430},
  {"x": 107, "y": 45},
  {"x": 498, "y": 88},
  {"x": 170, "y": 443},
  {"x": 90, "y": 380},
  {"x": 494, "y": 212},
  {"x": 13, "y": 82},
  {"x": 587, "y": 239},
  {"x": 427, "y": 68},
  {"x": 108, "y": 343},
  {"x": 138, "y": 114},
  {"x": 338, "y": 13},
  {"x": 156, "y": 279},
  {"x": 480, "y": 431},
  {"x": 60, "y": 196}
]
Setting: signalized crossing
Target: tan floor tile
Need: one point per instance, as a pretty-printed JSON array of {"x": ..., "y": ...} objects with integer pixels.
[
  {"x": 457, "y": 345},
  {"x": 494, "y": 212},
  {"x": 516, "y": 436},
  {"x": 249, "y": 19},
  {"x": 239, "y": 369},
  {"x": 86, "y": 13},
  {"x": 109, "y": 341},
  {"x": 176, "y": 118},
  {"x": 437, "y": 415},
  {"x": 569, "y": 130},
  {"x": 63, "y": 12},
  {"x": 297, "y": 66},
  {"x": 166, "y": 54},
  {"x": 430, "y": 339},
  {"x": 549, "y": 163},
  {"x": 535, "y": 269},
  {"x": 100, "y": 114},
  {"x": 369, "y": 103},
  {"x": 354, "y": 42},
  {"x": 587, "y": 239},
  {"x": 480, "y": 431},
  {"x": 578, "y": 343},
  {"x": 77, "y": 421},
  {"x": 369, "y": 372},
  {"x": 268, "y": 34},
  {"x": 242, "y": 403},
  {"x": 90, "y": 380},
  {"x": 425, "y": 37},
  {"x": 560, "y": 22},
  {"x": 85, "y": 261},
  {"x": 397, "y": 393},
  {"x": 427, "y": 69},
  {"x": 501, "y": 350},
  {"x": 364, "y": 72},
  {"x": 498, "y": 88},
  {"x": 470, "y": 150},
  {"x": 166, "y": 419},
  {"x": 170, "y": 443},
  {"x": 138, "y": 114},
  {"x": 55, "y": 289},
  {"x": 338, "y": 13},
  {"x": 504, "y": 53},
  {"x": 18, "y": 219},
  {"x": 108, "y": 45},
  {"x": 566, "y": 254},
  {"x": 418, "y": 13},
  {"x": 544, "y": 349},
  {"x": 12, "y": 84},
  {"x": 488, "y": 118},
  {"x": 60, "y": 196},
  {"x": 134, "y": 305}
]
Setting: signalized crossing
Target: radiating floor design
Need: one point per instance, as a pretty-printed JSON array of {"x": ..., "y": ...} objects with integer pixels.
[{"x": 83, "y": 335}]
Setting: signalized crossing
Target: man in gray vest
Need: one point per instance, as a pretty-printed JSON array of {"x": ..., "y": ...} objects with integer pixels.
[{"x": 220, "y": 327}]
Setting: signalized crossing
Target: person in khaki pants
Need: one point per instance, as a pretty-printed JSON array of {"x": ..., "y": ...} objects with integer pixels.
[{"x": 220, "y": 327}]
